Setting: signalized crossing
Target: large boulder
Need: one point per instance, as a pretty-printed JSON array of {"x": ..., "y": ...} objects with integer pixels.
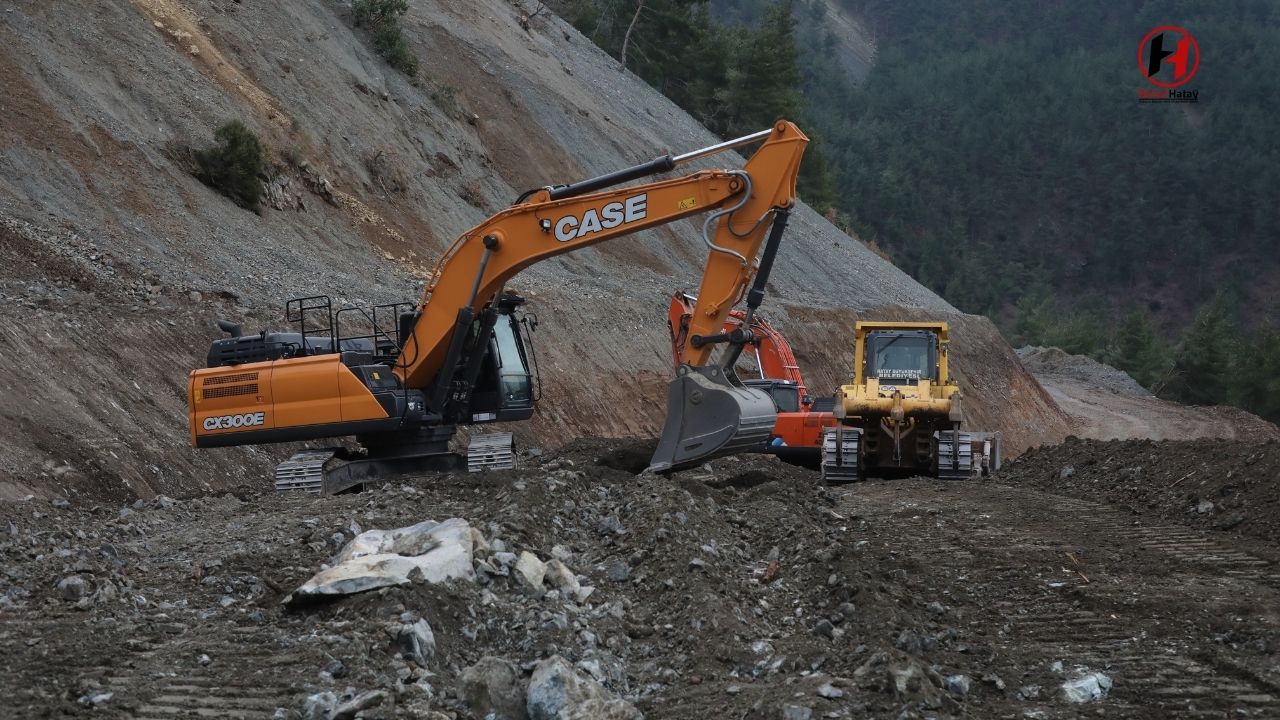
[
  {"x": 557, "y": 692},
  {"x": 434, "y": 552},
  {"x": 493, "y": 688}
]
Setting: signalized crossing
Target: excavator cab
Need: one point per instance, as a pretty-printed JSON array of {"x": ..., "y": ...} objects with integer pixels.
[
  {"x": 784, "y": 393},
  {"x": 504, "y": 387}
]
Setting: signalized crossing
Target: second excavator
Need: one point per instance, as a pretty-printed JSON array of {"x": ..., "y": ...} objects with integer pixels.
[
  {"x": 459, "y": 356},
  {"x": 797, "y": 430}
]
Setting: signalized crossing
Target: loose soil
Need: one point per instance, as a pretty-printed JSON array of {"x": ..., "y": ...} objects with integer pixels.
[
  {"x": 727, "y": 591},
  {"x": 1227, "y": 486}
]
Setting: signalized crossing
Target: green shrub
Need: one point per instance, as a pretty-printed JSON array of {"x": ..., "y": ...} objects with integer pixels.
[
  {"x": 376, "y": 13},
  {"x": 391, "y": 45},
  {"x": 382, "y": 17},
  {"x": 232, "y": 166}
]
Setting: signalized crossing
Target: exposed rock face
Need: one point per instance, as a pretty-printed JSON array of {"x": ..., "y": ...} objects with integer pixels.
[{"x": 116, "y": 261}]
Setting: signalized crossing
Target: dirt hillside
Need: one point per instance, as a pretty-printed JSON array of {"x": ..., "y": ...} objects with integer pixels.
[
  {"x": 114, "y": 261},
  {"x": 1104, "y": 403}
]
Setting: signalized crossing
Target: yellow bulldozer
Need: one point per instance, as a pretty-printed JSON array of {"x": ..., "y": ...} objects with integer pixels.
[{"x": 902, "y": 414}]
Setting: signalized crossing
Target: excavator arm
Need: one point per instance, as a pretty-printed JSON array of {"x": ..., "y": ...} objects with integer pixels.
[
  {"x": 773, "y": 354},
  {"x": 798, "y": 426},
  {"x": 555, "y": 221}
]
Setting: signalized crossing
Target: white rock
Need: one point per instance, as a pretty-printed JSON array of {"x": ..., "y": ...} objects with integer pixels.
[
  {"x": 1086, "y": 688},
  {"x": 830, "y": 692},
  {"x": 559, "y": 575},
  {"x": 557, "y": 692},
  {"x": 796, "y": 712},
  {"x": 378, "y": 558},
  {"x": 417, "y": 642},
  {"x": 530, "y": 570},
  {"x": 479, "y": 546},
  {"x": 319, "y": 706}
]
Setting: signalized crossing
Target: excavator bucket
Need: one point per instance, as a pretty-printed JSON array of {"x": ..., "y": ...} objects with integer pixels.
[{"x": 708, "y": 416}]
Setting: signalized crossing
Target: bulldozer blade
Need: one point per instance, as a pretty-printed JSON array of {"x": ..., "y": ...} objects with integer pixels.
[{"x": 707, "y": 417}]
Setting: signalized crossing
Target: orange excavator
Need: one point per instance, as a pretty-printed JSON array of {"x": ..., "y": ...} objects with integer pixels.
[
  {"x": 797, "y": 431},
  {"x": 460, "y": 355}
]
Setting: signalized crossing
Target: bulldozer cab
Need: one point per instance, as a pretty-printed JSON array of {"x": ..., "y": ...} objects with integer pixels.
[{"x": 902, "y": 355}]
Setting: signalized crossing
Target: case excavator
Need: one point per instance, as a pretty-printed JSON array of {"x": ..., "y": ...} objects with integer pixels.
[{"x": 402, "y": 378}]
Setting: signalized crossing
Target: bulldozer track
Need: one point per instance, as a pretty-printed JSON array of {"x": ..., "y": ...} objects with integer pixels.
[
  {"x": 1106, "y": 613},
  {"x": 161, "y": 676}
]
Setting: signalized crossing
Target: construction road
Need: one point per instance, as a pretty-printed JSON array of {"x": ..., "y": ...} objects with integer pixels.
[
  {"x": 1171, "y": 615},
  {"x": 738, "y": 591}
]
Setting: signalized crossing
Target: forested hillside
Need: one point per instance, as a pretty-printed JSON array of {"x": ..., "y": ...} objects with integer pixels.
[{"x": 997, "y": 152}]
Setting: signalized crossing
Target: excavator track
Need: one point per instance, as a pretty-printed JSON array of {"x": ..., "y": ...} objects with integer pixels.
[
  {"x": 954, "y": 463},
  {"x": 495, "y": 451},
  {"x": 304, "y": 472},
  {"x": 841, "y": 459}
]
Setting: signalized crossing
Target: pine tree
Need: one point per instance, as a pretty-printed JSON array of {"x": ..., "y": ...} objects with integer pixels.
[
  {"x": 1202, "y": 365},
  {"x": 1137, "y": 350},
  {"x": 765, "y": 82},
  {"x": 1256, "y": 377}
]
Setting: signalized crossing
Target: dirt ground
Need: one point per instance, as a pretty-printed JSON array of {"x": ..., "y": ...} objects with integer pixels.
[
  {"x": 1220, "y": 485},
  {"x": 735, "y": 590}
]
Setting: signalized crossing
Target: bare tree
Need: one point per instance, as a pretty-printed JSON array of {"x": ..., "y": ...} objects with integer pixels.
[{"x": 626, "y": 39}]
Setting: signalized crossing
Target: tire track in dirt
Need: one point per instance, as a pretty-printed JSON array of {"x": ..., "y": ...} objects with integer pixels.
[{"x": 1143, "y": 603}]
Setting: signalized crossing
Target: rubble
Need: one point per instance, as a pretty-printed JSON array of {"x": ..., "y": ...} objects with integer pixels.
[{"x": 667, "y": 641}]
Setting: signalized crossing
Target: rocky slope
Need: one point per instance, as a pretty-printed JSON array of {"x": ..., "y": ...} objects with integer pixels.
[{"x": 115, "y": 261}]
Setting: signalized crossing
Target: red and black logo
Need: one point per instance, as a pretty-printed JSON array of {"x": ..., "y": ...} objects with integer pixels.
[{"x": 1168, "y": 58}]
